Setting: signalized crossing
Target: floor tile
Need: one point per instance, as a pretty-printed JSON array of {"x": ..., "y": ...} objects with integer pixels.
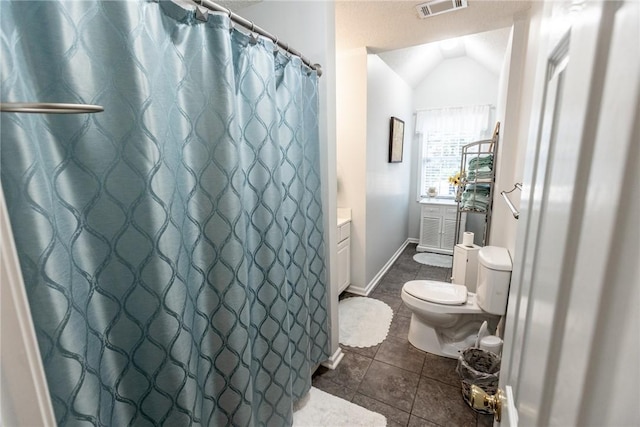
[
  {"x": 442, "y": 369},
  {"x": 394, "y": 416},
  {"x": 419, "y": 422},
  {"x": 406, "y": 265},
  {"x": 349, "y": 372},
  {"x": 384, "y": 378},
  {"x": 428, "y": 272},
  {"x": 484, "y": 420},
  {"x": 400, "y": 327},
  {"x": 391, "y": 300},
  {"x": 404, "y": 310},
  {"x": 390, "y": 385},
  {"x": 369, "y": 352},
  {"x": 400, "y": 353},
  {"x": 410, "y": 250},
  {"x": 330, "y": 387},
  {"x": 442, "y": 404},
  {"x": 387, "y": 288},
  {"x": 398, "y": 276}
]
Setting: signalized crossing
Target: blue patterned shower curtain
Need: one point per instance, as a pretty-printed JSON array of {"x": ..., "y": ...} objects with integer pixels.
[{"x": 172, "y": 246}]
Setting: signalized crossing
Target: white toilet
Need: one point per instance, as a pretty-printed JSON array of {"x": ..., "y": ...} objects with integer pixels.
[{"x": 446, "y": 317}]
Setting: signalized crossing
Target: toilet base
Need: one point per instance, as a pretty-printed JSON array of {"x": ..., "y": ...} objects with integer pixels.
[{"x": 426, "y": 338}]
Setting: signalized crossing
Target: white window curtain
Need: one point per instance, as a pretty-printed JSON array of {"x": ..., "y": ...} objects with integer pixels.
[{"x": 443, "y": 132}]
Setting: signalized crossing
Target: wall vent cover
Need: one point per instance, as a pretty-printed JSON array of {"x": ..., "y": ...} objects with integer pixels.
[{"x": 436, "y": 7}]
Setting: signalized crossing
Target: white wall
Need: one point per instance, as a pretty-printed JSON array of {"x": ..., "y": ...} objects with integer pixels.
[
  {"x": 388, "y": 184},
  {"x": 309, "y": 27},
  {"x": 514, "y": 112},
  {"x": 351, "y": 121},
  {"x": 455, "y": 82},
  {"x": 377, "y": 191}
]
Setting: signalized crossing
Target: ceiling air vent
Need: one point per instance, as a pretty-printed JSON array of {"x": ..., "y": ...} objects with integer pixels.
[{"x": 436, "y": 7}]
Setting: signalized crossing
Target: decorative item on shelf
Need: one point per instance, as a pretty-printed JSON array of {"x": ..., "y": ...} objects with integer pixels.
[
  {"x": 396, "y": 140},
  {"x": 432, "y": 191},
  {"x": 457, "y": 179}
]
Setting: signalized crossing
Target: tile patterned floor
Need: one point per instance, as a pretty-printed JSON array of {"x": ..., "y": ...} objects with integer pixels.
[{"x": 408, "y": 386}]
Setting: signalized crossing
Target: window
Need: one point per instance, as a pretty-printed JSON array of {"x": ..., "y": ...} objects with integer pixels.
[{"x": 442, "y": 133}]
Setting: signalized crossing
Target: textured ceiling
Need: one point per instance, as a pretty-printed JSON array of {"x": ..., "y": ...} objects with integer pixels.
[{"x": 388, "y": 25}]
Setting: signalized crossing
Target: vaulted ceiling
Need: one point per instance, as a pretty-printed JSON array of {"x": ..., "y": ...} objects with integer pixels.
[
  {"x": 413, "y": 64},
  {"x": 409, "y": 45}
]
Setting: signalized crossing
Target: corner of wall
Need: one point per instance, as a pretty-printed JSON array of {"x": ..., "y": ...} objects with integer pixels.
[
  {"x": 387, "y": 184},
  {"x": 514, "y": 116},
  {"x": 351, "y": 134}
]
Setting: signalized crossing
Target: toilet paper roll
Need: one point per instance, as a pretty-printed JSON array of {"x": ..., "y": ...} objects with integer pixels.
[
  {"x": 467, "y": 238},
  {"x": 491, "y": 343}
]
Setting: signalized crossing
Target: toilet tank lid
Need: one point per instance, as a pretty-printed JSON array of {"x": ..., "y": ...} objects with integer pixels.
[
  {"x": 495, "y": 258},
  {"x": 437, "y": 292}
]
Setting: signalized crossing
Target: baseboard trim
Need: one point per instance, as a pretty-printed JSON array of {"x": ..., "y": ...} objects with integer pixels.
[
  {"x": 334, "y": 360},
  {"x": 376, "y": 279},
  {"x": 358, "y": 290}
]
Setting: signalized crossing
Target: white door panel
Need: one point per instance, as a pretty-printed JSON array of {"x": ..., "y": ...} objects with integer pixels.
[
  {"x": 599, "y": 250},
  {"x": 576, "y": 254}
]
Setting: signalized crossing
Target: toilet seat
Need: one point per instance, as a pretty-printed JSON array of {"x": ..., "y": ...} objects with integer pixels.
[
  {"x": 437, "y": 292},
  {"x": 470, "y": 306}
]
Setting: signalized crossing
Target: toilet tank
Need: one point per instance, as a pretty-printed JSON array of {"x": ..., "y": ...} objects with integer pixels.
[{"x": 494, "y": 276}]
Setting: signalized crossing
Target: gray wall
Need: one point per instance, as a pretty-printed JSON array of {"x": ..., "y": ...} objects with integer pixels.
[{"x": 388, "y": 184}]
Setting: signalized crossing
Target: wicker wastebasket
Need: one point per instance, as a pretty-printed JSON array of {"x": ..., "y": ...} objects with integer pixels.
[{"x": 478, "y": 367}]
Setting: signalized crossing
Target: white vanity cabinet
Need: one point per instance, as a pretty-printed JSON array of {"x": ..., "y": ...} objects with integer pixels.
[
  {"x": 438, "y": 227},
  {"x": 344, "y": 255}
]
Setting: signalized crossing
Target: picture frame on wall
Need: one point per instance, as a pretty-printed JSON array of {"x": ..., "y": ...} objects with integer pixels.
[{"x": 396, "y": 140}]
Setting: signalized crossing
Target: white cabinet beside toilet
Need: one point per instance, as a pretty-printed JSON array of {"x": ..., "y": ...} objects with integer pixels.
[{"x": 465, "y": 266}]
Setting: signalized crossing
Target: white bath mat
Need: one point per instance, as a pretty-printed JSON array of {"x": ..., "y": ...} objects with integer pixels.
[
  {"x": 364, "y": 322},
  {"x": 325, "y": 410},
  {"x": 435, "y": 260}
]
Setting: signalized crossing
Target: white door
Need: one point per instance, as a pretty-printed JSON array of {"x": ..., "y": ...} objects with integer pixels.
[{"x": 572, "y": 346}]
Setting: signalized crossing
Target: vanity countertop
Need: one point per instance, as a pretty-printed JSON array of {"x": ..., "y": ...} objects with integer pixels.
[
  {"x": 343, "y": 220},
  {"x": 436, "y": 201}
]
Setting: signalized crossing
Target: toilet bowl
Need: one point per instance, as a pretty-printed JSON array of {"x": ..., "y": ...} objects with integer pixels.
[{"x": 445, "y": 317}]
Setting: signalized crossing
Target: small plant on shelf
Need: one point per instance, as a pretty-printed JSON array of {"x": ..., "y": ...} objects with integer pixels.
[{"x": 457, "y": 179}]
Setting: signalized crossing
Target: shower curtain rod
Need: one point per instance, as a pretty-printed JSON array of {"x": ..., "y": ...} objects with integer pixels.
[{"x": 254, "y": 28}]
